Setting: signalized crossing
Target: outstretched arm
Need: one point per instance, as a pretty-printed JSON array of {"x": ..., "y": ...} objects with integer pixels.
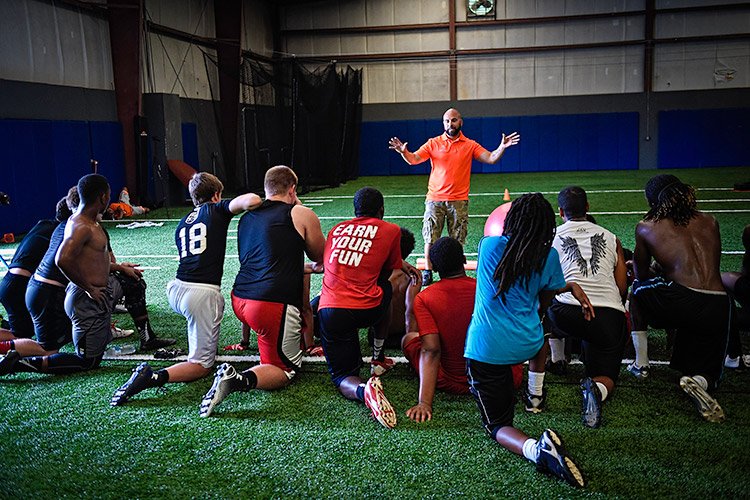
[
  {"x": 505, "y": 143},
  {"x": 247, "y": 201},
  {"x": 400, "y": 147}
]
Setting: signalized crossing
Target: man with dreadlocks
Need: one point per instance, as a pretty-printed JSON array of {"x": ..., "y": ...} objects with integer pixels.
[
  {"x": 518, "y": 274},
  {"x": 687, "y": 295}
]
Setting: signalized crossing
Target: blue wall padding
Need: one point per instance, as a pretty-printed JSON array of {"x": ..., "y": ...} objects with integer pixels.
[
  {"x": 41, "y": 160},
  {"x": 704, "y": 138},
  {"x": 602, "y": 141},
  {"x": 190, "y": 145}
]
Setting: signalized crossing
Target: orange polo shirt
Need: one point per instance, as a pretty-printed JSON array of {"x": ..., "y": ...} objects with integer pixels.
[{"x": 451, "y": 166}]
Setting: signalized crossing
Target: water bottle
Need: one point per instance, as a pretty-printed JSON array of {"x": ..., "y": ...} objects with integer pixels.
[{"x": 120, "y": 350}]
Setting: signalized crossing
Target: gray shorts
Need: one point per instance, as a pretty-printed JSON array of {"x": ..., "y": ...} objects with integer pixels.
[
  {"x": 202, "y": 305},
  {"x": 436, "y": 213},
  {"x": 91, "y": 320}
]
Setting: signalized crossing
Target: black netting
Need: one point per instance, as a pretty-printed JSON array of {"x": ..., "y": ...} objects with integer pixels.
[{"x": 306, "y": 119}]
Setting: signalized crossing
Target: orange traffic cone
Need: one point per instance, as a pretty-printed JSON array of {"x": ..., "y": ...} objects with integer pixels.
[{"x": 506, "y": 196}]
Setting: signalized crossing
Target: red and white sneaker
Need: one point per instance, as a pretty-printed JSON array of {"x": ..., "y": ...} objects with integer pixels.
[
  {"x": 380, "y": 367},
  {"x": 378, "y": 404}
]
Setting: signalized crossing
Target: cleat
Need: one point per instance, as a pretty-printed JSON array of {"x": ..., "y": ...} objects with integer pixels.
[
  {"x": 707, "y": 406},
  {"x": 137, "y": 382},
  {"x": 553, "y": 459},
  {"x": 639, "y": 372},
  {"x": 380, "y": 367},
  {"x": 168, "y": 353},
  {"x": 8, "y": 363},
  {"x": 119, "y": 333},
  {"x": 220, "y": 389},
  {"x": 156, "y": 343},
  {"x": 426, "y": 277},
  {"x": 591, "y": 411},
  {"x": 556, "y": 368},
  {"x": 534, "y": 403},
  {"x": 730, "y": 362},
  {"x": 378, "y": 404}
]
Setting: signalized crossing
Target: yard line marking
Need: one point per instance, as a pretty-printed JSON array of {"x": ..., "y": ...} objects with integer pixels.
[
  {"x": 254, "y": 358},
  {"x": 518, "y": 193},
  {"x": 727, "y": 200},
  {"x": 308, "y": 204},
  {"x": 144, "y": 268}
]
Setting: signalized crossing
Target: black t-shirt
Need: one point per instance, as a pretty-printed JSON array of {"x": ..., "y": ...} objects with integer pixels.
[
  {"x": 47, "y": 267},
  {"x": 201, "y": 240},
  {"x": 271, "y": 255},
  {"x": 33, "y": 246}
]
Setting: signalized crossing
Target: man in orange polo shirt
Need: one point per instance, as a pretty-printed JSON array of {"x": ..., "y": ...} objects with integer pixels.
[{"x": 448, "y": 187}]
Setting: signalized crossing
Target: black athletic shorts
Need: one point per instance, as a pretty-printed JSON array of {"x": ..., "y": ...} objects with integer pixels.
[
  {"x": 493, "y": 390},
  {"x": 702, "y": 321},
  {"x": 13, "y": 299},
  {"x": 602, "y": 339},
  {"x": 46, "y": 303},
  {"x": 339, "y": 335},
  {"x": 742, "y": 291}
]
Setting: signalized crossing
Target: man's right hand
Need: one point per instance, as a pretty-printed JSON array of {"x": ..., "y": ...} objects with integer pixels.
[
  {"x": 396, "y": 145},
  {"x": 421, "y": 412}
]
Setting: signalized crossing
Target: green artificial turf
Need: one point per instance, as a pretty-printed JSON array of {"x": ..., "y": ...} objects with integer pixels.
[{"x": 60, "y": 438}]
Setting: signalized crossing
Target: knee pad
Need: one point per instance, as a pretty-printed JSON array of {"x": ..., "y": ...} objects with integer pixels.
[{"x": 135, "y": 295}]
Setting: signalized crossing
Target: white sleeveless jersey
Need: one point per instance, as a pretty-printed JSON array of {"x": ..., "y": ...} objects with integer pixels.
[{"x": 588, "y": 255}]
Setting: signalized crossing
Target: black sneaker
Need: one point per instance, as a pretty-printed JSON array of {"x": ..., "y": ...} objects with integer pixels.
[
  {"x": 426, "y": 277},
  {"x": 534, "y": 403},
  {"x": 156, "y": 343},
  {"x": 220, "y": 389},
  {"x": 553, "y": 459},
  {"x": 591, "y": 409},
  {"x": 8, "y": 363},
  {"x": 556, "y": 368},
  {"x": 137, "y": 382}
]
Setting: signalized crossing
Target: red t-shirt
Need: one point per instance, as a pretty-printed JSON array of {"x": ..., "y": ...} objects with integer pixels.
[
  {"x": 356, "y": 252},
  {"x": 445, "y": 309},
  {"x": 451, "y": 166}
]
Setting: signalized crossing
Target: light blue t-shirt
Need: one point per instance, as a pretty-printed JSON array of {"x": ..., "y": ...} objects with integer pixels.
[{"x": 510, "y": 333}]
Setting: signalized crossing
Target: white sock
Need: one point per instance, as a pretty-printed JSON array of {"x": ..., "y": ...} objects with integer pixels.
[
  {"x": 701, "y": 380},
  {"x": 536, "y": 383},
  {"x": 557, "y": 349},
  {"x": 529, "y": 450},
  {"x": 603, "y": 390},
  {"x": 640, "y": 342},
  {"x": 377, "y": 347}
]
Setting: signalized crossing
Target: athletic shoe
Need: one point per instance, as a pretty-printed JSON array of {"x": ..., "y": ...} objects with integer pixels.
[
  {"x": 156, "y": 343},
  {"x": 745, "y": 360},
  {"x": 426, "y": 277},
  {"x": 168, "y": 352},
  {"x": 553, "y": 459},
  {"x": 220, "y": 389},
  {"x": 534, "y": 403},
  {"x": 378, "y": 404},
  {"x": 707, "y": 406},
  {"x": 315, "y": 351},
  {"x": 8, "y": 363},
  {"x": 639, "y": 372},
  {"x": 556, "y": 368},
  {"x": 380, "y": 367},
  {"x": 730, "y": 362},
  {"x": 137, "y": 382},
  {"x": 591, "y": 410},
  {"x": 119, "y": 333}
]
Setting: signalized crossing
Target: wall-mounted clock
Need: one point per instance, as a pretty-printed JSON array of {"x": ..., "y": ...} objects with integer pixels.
[{"x": 480, "y": 8}]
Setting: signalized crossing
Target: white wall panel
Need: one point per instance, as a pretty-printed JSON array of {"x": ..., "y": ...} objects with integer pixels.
[
  {"x": 519, "y": 75},
  {"x": 702, "y": 65},
  {"x": 380, "y": 13},
  {"x": 353, "y": 44},
  {"x": 480, "y": 38},
  {"x": 481, "y": 78},
  {"x": 435, "y": 81},
  {"x": 327, "y": 44},
  {"x": 353, "y": 13},
  {"x": 380, "y": 43},
  {"x": 47, "y": 43},
  {"x": 299, "y": 45},
  {"x": 703, "y": 23},
  {"x": 549, "y": 74},
  {"x": 256, "y": 27},
  {"x": 379, "y": 78},
  {"x": 298, "y": 17}
]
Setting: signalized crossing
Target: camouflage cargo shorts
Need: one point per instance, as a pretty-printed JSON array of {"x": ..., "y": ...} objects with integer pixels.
[{"x": 436, "y": 213}]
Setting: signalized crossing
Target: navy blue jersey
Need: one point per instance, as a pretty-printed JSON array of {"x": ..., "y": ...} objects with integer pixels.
[
  {"x": 271, "y": 255},
  {"x": 47, "y": 267},
  {"x": 201, "y": 240},
  {"x": 33, "y": 246}
]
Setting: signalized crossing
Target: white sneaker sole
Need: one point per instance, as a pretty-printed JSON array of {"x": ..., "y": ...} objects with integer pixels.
[{"x": 707, "y": 406}]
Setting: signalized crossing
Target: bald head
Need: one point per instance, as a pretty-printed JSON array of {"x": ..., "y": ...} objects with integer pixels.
[{"x": 452, "y": 122}]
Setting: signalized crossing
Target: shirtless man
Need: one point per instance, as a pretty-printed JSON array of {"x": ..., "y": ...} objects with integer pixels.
[
  {"x": 688, "y": 295},
  {"x": 84, "y": 258}
]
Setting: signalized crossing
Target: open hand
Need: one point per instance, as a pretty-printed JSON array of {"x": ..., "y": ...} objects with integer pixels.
[
  {"x": 421, "y": 412},
  {"x": 395, "y": 144}
]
